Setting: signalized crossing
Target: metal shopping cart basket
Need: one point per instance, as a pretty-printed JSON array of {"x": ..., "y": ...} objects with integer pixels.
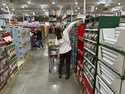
[{"x": 53, "y": 54}]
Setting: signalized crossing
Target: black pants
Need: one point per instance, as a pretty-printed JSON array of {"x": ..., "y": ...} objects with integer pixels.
[
  {"x": 40, "y": 43},
  {"x": 63, "y": 58}
]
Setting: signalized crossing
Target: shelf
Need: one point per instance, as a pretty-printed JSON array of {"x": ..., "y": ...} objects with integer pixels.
[
  {"x": 10, "y": 46},
  {"x": 122, "y": 77},
  {"x": 91, "y": 29},
  {"x": 97, "y": 90},
  {"x": 12, "y": 60},
  {"x": 86, "y": 86},
  {"x": 90, "y": 41},
  {"x": 13, "y": 71},
  {"x": 109, "y": 77},
  {"x": 88, "y": 80},
  {"x": 112, "y": 47},
  {"x": 89, "y": 72},
  {"x": 103, "y": 83},
  {"x": 2, "y": 58},
  {"x": 20, "y": 62},
  {"x": 3, "y": 70},
  {"x": 89, "y": 50},
  {"x": 2, "y": 85},
  {"x": 80, "y": 64},
  {"x": 89, "y": 62}
]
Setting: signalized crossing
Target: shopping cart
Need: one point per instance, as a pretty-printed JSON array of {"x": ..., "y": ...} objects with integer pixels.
[{"x": 53, "y": 54}]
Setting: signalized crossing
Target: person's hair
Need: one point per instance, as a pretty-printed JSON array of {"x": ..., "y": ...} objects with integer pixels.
[{"x": 58, "y": 32}]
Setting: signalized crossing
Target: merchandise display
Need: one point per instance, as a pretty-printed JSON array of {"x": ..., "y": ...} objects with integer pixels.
[
  {"x": 110, "y": 70},
  {"x": 102, "y": 55},
  {"x": 7, "y": 58},
  {"x": 71, "y": 46},
  {"x": 22, "y": 42},
  {"x": 90, "y": 55}
]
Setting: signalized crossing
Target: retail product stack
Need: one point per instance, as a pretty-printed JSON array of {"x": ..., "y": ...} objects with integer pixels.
[
  {"x": 101, "y": 49},
  {"x": 90, "y": 55},
  {"x": 21, "y": 38},
  {"x": 110, "y": 77},
  {"x": 7, "y": 58}
]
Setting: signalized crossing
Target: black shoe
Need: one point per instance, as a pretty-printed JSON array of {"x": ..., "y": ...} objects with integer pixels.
[
  {"x": 60, "y": 76},
  {"x": 67, "y": 77}
]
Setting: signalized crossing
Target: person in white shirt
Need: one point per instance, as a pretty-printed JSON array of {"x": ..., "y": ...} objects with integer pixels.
[{"x": 64, "y": 48}]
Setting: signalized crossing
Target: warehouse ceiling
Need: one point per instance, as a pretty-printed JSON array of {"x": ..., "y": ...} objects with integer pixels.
[{"x": 43, "y": 7}]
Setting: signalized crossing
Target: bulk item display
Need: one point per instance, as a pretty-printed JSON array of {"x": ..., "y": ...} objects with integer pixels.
[
  {"x": 101, "y": 51},
  {"x": 7, "y": 58},
  {"x": 111, "y": 55},
  {"x": 90, "y": 55},
  {"x": 21, "y": 38},
  {"x": 84, "y": 42}
]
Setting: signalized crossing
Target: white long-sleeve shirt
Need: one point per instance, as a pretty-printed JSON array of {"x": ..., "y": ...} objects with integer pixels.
[{"x": 64, "y": 43}]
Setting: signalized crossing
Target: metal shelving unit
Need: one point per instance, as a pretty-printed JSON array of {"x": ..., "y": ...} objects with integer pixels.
[
  {"x": 110, "y": 77},
  {"x": 90, "y": 58},
  {"x": 7, "y": 60}
]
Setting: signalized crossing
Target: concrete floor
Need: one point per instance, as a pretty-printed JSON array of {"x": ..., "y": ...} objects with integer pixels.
[{"x": 35, "y": 79}]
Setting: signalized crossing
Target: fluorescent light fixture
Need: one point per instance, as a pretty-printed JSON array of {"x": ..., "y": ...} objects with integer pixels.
[
  {"x": 54, "y": 86},
  {"x": 24, "y": 6},
  {"x": 26, "y": 14},
  {"x": 53, "y": 3},
  {"x": 33, "y": 13},
  {"x": 119, "y": 4},
  {"x": 29, "y": 2},
  {"x": 76, "y": 3},
  {"x": 43, "y": 6},
  {"x": 4, "y": 4},
  {"x": 55, "y": 68},
  {"x": 78, "y": 7}
]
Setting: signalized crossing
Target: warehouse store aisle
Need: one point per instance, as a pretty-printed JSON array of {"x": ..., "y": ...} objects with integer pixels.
[{"x": 35, "y": 79}]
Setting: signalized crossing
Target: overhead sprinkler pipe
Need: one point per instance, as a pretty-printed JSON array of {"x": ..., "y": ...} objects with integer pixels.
[{"x": 84, "y": 8}]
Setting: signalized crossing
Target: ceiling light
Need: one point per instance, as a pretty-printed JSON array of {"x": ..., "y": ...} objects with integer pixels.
[
  {"x": 29, "y": 2},
  {"x": 33, "y": 13},
  {"x": 4, "y": 4},
  {"x": 78, "y": 7},
  {"x": 54, "y": 86},
  {"x": 76, "y": 3},
  {"x": 43, "y": 6},
  {"x": 53, "y": 3},
  {"x": 96, "y": 8},
  {"x": 26, "y": 14},
  {"x": 119, "y": 4},
  {"x": 24, "y": 6}
]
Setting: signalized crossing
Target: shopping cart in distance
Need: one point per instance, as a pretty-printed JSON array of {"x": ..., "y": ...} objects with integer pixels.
[{"x": 53, "y": 55}]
